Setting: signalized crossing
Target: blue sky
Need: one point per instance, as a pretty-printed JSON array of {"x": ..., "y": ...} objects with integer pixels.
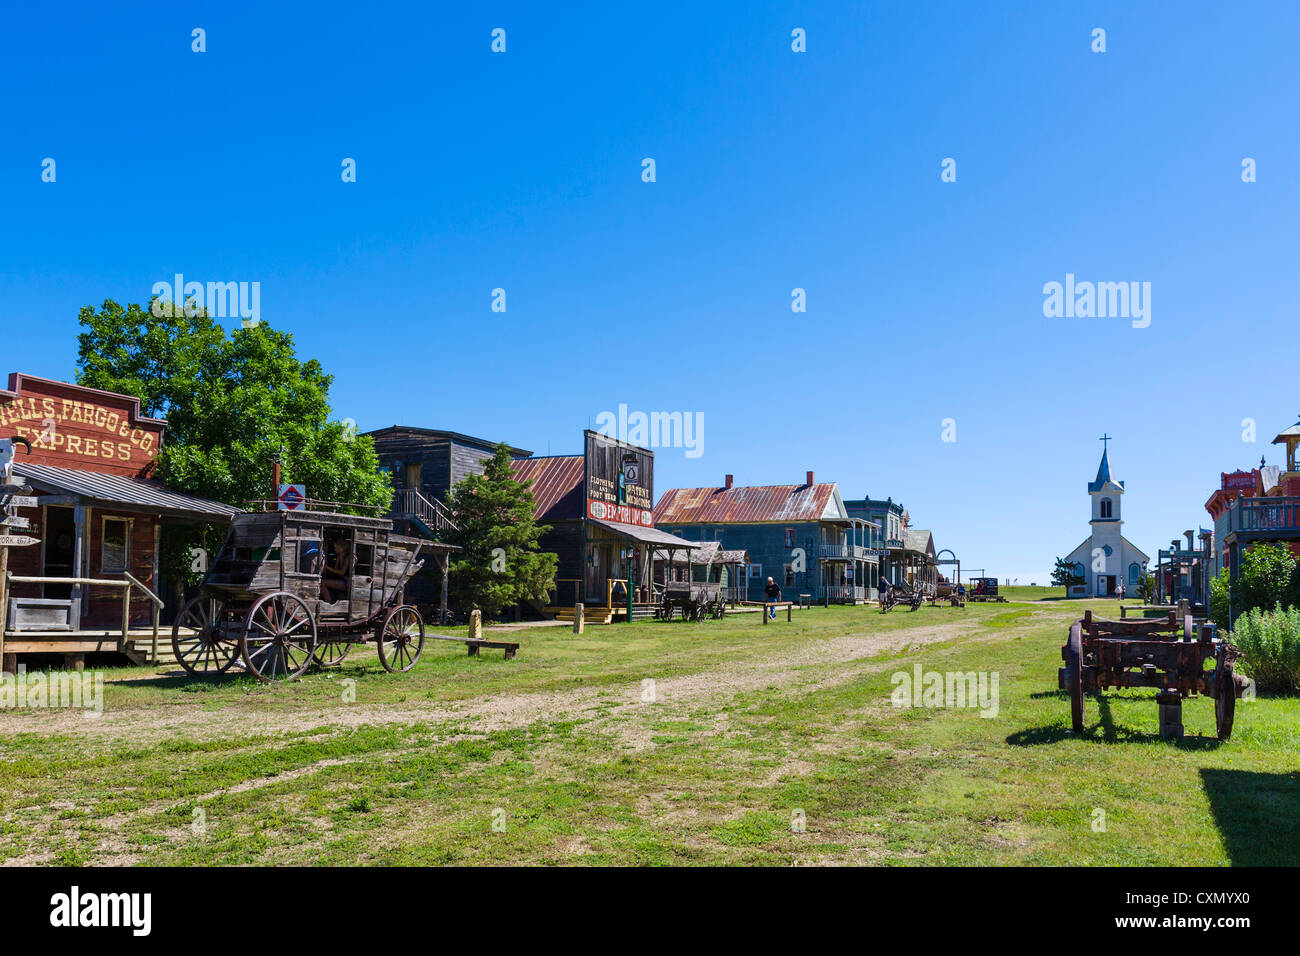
[{"x": 775, "y": 170}]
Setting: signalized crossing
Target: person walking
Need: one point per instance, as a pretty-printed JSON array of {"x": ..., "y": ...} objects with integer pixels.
[{"x": 772, "y": 593}]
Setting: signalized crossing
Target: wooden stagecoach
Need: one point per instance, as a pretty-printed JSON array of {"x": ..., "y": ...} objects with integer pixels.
[{"x": 261, "y": 603}]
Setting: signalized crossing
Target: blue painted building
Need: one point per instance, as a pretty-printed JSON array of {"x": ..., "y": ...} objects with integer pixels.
[{"x": 802, "y": 536}]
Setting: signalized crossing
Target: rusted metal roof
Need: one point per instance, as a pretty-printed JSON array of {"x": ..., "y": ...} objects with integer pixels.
[
  {"x": 736, "y": 505},
  {"x": 556, "y": 485}
]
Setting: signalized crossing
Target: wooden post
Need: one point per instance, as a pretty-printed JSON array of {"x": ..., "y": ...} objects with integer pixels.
[
  {"x": 7, "y": 665},
  {"x": 578, "y": 623},
  {"x": 789, "y": 612},
  {"x": 126, "y": 616},
  {"x": 1171, "y": 714},
  {"x": 764, "y": 613},
  {"x": 445, "y": 564},
  {"x": 476, "y": 625}
]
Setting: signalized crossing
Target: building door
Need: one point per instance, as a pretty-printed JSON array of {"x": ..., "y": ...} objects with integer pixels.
[
  {"x": 414, "y": 476},
  {"x": 60, "y": 548}
]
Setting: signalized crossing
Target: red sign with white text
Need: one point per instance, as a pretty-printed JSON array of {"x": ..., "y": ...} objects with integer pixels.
[{"x": 620, "y": 514}]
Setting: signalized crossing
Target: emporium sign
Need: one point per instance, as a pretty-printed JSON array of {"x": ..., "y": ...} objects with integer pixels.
[
  {"x": 620, "y": 514},
  {"x": 1238, "y": 481}
]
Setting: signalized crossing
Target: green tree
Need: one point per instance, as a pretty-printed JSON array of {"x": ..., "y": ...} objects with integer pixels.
[
  {"x": 230, "y": 402},
  {"x": 1146, "y": 588},
  {"x": 500, "y": 564},
  {"x": 1065, "y": 574},
  {"x": 1219, "y": 598},
  {"x": 1267, "y": 578}
]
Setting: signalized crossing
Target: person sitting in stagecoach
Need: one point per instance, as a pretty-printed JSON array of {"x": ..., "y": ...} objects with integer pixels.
[{"x": 334, "y": 581}]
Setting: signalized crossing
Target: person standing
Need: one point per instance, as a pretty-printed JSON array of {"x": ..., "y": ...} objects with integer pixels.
[{"x": 772, "y": 593}]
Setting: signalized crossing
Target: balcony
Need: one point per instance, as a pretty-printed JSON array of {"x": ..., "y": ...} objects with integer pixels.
[{"x": 1261, "y": 517}]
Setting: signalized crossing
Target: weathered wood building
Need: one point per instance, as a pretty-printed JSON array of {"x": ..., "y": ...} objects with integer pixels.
[
  {"x": 600, "y": 509},
  {"x": 99, "y": 517},
  {"x": 801, "y": 536}
]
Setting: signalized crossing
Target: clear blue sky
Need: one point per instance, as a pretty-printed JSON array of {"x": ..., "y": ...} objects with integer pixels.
[{"x": 775, "y": 170}]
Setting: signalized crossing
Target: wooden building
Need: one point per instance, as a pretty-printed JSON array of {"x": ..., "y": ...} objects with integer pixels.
[
  {"x": 424, "y": 465},
  {"x": 801, "y": 536},
  {"x": 600, "y": 509},
  {"x": 99, "y": 517}
]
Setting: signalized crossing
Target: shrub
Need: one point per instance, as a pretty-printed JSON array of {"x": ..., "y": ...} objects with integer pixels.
[
  {"x": 1270, "y": 647},
  {"x": 1219, "y": 599},
  {"x": 1265, "y": 579}
]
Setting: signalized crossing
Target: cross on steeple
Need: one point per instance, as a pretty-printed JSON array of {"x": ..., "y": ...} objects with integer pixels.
[{"x": 1104, "y": 440}]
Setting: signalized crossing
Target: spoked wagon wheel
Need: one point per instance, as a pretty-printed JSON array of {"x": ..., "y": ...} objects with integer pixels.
[
  {"x": 401, "y": 639},
  {"x": 331, "y": 651},
  {"x": 1225, "y": 704},
  {"x": 205, "y": 649},
  {"x": 1074, "y": 677},
  {"x": 279, "y": 637}
]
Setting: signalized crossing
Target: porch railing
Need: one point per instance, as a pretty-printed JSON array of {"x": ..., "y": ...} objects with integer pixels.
[
  {"x": 845, "y": 592},
  {"x": 128, "y": 583},
  {"x": 1264, "y": 514}
]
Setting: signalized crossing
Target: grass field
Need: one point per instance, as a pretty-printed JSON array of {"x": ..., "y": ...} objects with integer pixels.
[{"x": 755, "y": 744}]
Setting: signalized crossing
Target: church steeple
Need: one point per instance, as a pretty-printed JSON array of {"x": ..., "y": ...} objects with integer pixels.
[{"x": 1103, "y": 470}]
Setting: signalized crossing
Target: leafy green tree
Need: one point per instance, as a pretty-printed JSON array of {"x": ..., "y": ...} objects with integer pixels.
[
  {"x": 1219, "y": 598},
  {"x": 1065, "y": 574},
  {"x": 500, "y": 564},
  {"x": 231, "y": 401},
  {"x": 1267, "y": 578}
]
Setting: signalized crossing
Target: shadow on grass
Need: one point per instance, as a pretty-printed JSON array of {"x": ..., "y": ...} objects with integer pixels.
[
  {"x": 1258, "y": 815},
  {"x": 1105, "y": 731},
  {"x": 179, "y": 680}
]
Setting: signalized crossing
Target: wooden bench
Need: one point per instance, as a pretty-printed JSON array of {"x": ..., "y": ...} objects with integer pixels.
[
  {"x": 805, "y": 600},
  {"x": 474, "y": 645}
]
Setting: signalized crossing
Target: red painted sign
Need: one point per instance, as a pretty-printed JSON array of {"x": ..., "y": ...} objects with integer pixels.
[
  {"x": 620, "y": 514},
  {"x": 79, "y": 428},
  {"x": 1238, "y": 480},
  {"x": 292, "y": 497}
]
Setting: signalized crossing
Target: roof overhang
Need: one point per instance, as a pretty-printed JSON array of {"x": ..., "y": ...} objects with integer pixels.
[
  {"x": 645, "y": 535},
  {"x": 128, "y": 494}
]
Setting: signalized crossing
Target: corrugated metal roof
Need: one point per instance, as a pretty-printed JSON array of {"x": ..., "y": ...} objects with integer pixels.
[
  {"x": 119, "y": 490},
  {"x": 556, "y": 485},
  {"x": 709, "y": 552},
  {"x": 646, "y": 535},
  {"x": 758, "y": 503},
  {"x": 920, "y": 541}
]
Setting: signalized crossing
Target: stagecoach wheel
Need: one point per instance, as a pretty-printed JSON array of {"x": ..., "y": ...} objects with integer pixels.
[
  {"x": 330, "y": 652},
  {"x": 400, "y": 639},
  {"x": 279, "y": 637},
  {"x": 206, "y": 650},
  {"x": 1225, "y": 704},
  {"x": 1074, "y": 677}
]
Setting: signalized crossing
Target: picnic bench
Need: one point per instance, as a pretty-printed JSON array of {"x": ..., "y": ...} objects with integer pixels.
[
  {"x": 476, "y": 644},
  {"x": 788, "y": 605}
]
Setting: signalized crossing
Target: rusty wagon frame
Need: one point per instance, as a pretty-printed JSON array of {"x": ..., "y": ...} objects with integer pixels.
[
  {"x": 261, "y": 601},
  {"x": 1158, "y": 653}
]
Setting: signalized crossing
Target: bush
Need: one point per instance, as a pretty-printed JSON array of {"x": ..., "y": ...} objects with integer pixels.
[
  {"x": 1270, "y": 648},
  {"x": 1265, "y": 579},
  {"x": 1219, "y": 599}
]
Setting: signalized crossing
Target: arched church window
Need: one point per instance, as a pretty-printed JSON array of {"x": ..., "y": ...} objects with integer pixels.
[
  {"x": 1134, "y": 573},
  {"x": 1105, "y": 507}
]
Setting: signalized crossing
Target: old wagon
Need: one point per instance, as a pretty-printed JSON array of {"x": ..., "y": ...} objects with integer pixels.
[
  {"x": 696, "y": 600},
  {"x": 290, "y": 589},
  {"x": 1159, "y": 653}
]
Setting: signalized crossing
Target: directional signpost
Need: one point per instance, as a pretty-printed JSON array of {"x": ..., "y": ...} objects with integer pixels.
[
  {"x": 12, "y": 497},
  {"x": 17, "y": 541}
]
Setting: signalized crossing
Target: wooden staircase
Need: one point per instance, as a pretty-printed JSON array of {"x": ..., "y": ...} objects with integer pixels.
[{"x": 140, "y": 650}]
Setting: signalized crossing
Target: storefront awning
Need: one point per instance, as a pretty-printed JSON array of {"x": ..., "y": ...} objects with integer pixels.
[
  {"x": 134, "y": 494},
  {"x": 653, "y": 536}
]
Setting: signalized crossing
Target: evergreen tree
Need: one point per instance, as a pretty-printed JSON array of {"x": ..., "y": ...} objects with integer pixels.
[{"x": 500, "y": 564}]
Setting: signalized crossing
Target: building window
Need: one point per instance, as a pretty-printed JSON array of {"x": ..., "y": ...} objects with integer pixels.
[
  {"x": 115, "y": 546},
  {"x": 789, "y": 575},
  {"x": 1105, "y": 507},
  {"x": 1134, "y": 574},
  {"x": 789, "y": 537},
  {"x": 755, "y": 570}
]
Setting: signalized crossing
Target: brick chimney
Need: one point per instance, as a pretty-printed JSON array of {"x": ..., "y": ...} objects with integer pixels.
[
  {"x": 810, "y": 479},
  {"x": 730, "y": 479}
]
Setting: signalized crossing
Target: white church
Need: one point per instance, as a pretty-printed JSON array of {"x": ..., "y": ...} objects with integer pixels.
[{"x": 1106, "y": 559}]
